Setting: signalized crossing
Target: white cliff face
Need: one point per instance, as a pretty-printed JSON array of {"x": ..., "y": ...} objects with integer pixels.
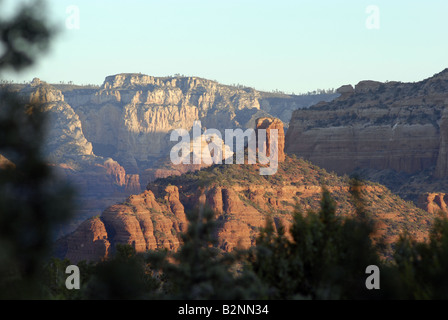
[
  {"x": 65, "y": 138},
  {"x": 131, "y": 116},
  {"x": 99, "y": 181}
]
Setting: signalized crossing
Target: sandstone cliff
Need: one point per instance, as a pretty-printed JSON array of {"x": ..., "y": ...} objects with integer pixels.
[
  {"x": 98, "y": 181},
  {"x": 64, "y": 138},
  {"x": 381, "y": 126},
  {"x": 130, "y": 117},
  {"x": 269, "y": 124}
]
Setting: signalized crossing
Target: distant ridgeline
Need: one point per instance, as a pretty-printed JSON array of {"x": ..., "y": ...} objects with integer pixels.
[{"x": 394, "y": 133}]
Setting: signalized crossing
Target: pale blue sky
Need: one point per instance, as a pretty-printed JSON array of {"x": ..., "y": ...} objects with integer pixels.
[{"x": 293, "y": 46}]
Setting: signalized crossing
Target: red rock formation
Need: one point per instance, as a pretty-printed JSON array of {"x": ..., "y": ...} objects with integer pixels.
[
  {"x": 132, "y": 184},
  {"x": 156, "y": 217},
  {"x": 117, "y": 172},
  {"x": 90, "y": 242},
  {"x": 434, "y": 202},
  {"x": 273, "y": 123},
  {"x": 6, "y": 163}
]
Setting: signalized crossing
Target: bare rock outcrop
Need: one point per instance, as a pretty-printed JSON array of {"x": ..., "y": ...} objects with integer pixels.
[
  {"x": 441, "y": 170},
  {"x": 107, "y": 140},
  {"x": 131, "y": 116},
  {"x": 142, "y": 221},
  {"x": 89, "y": 242},
  {"x": 98, "y": 181},
  {"x": 269, "y": 124},
  {"x": 39, "y": 92},
  {"x": 389, "y": 125},
  {"x": 434, "y": 203},
  {"x": 65, "y": 138}
]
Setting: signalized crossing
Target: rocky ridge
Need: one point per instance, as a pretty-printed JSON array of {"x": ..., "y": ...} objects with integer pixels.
[{"x": 381, "y": 127}]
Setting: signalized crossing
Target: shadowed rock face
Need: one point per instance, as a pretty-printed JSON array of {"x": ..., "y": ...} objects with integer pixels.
[
  {"x": 89, "y": 243},
  {"x": 141, "y": 221},
  {"x": 99, "y": 181},
  {"x": 381, "y": 126},
  {"x": 377, "y": 125},
  {"x": 441, "y": 170}
]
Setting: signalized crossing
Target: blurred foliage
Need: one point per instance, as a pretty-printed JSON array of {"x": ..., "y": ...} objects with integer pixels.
[
  {"x": 199, "y": 270},
  {"x": 325, "y": 257},
  {"x": 423, "y": 266},
  {"x": 32, "y": 202},
  {"x": 24, "y": 36}
]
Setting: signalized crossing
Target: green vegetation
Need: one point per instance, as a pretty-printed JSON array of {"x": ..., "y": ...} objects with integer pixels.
[{"x": 422, "y": 267}]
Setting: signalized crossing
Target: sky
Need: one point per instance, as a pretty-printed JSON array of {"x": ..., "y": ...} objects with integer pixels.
[{"x": 291, "y": 46}]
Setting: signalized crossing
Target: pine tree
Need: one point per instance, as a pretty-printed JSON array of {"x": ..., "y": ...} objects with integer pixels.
[{"x": 422, "y": 266}]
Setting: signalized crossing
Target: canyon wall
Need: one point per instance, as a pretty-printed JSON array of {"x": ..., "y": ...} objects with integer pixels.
[
  {"x": 130, "y": 117},
  {"x": 391, "y": 125},
  {"x": 394, "y": 126}
]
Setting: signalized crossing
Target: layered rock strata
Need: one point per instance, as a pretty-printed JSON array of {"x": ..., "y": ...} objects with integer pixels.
[
  {"x": 392, "y": 125},
  {"x": 384, "y": 130}
]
